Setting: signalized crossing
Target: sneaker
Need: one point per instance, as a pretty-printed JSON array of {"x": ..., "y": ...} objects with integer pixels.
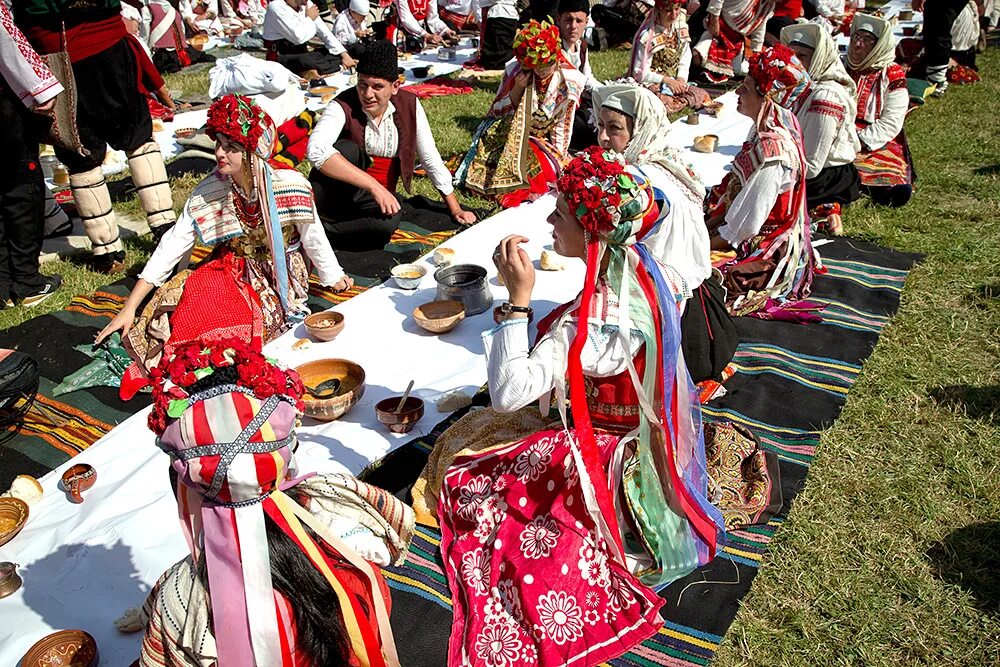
[
  {"x": 52, "y": 284},
  {"x": 7, "y": 303},
  {"x": 110, "y": 262},
  {"x": 940, "y": 90}
]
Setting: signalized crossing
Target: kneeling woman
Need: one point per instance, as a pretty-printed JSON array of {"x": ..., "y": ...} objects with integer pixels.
[
  {"x": 261, "y": 223},
  {"x": 518, "y": 149},
  {"x": 884, "y": 161},
  {"x": 631, "y": 121},
  {"x": 542, "y": 552},
  {"x": 267, "y": 581},
  {"x": 758, "y": 213}
]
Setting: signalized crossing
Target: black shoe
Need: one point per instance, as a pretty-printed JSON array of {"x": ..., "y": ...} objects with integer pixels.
[
  {"x": 160, "y": 230},
  {"x": 52, "y": 284},
  {"x": 110, "y": 262}
]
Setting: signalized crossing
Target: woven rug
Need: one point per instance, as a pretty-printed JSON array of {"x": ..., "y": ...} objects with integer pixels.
[
  {"x": 791, "y": 383},
  {"x": 77, "y": 420}
]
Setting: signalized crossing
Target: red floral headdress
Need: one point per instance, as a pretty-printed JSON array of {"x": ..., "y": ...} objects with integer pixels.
[
  {"x": 243, "y": 121},
  {"x": 599, "y": 191},
  {"x": 779, "y": 73},
  {"x": 537, "y": 44},
  {"x": 173, "y": 378}
]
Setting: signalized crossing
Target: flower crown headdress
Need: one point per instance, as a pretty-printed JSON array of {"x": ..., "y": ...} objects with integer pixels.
[
  {"x": 599, "y": 191},
  {"x": 537, "y": 44}
]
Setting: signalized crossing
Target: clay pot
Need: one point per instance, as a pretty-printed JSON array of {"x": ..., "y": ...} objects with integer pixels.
[
  {"x": 10, "y": 580},
  {"x": 66, "y": 648},
  {"x": 78, "y": 479},
  {"x": 439, "y": 316},
  {"x": 404, "y": 420},
  {"x": 693, "y": 119},
  {"x": 352, "y": 387},
  {"x": 324, "y": 326}
]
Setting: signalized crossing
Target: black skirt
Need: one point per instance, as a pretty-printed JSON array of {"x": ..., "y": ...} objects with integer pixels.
[
  {"x": 708, "y": 334},
  {"x": 839, "y": 184}
]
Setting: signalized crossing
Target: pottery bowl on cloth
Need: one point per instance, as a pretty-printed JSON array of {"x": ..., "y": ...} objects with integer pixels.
[
  {"x": 13, "y": 515},
  {"x": 324, "y": 326},
  {"x": 350, "y": 391},
  {"x": 400, "y": 420},
  {"x": 439, "y": 316},
  {"x": 66, "y": 648}
]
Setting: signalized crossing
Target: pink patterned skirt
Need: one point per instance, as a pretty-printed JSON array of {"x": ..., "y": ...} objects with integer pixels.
[{"x": 533, "y": 581}]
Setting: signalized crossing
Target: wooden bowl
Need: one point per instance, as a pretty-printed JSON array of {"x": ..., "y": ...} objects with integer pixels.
[
  {"x": 439, "y": 316},
  {"x": 12, "y": 509},
  {"x": 404, "y": 420},
  {"x": 66, "y": 648},
  {"x": 352, "y": 387},
  {"x": 324, "y": 326}
]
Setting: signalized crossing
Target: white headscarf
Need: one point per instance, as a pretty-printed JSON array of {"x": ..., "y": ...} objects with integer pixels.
[
  {"x": 825, "y": 64},
  {"x": 649, "y": 143},
  {"x": 360, "y": 7},
  {"x": 883, "y": 53}
]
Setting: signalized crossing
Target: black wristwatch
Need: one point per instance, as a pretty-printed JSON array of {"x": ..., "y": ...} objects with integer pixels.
[{"x": 506, "y": 308}]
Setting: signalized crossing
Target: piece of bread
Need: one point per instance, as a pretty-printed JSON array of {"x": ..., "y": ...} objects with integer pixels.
[
  {"x": 550, "y": 261},
  {"x": 157, "y": 125},
  {"x": 453, "y": 400},
  {"x": 443, "y": 256},
  {"x": 25, "y": 488},
  {"x": 303, "y": 344},
  {"x": 132, "y": 620}
]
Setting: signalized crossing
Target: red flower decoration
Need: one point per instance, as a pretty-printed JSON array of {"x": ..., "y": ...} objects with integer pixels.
[{"x": 594, "y": 184}]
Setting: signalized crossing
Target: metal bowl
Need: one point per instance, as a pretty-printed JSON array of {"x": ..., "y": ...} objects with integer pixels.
[{"x": 466, "y": 283}]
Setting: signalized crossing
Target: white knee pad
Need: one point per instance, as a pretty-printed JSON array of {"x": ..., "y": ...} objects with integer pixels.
[
  {"x": 93, "y": 202},
  {"x": 151, "y": 184}
]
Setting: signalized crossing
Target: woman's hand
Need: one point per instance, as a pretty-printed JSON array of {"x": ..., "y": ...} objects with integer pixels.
[
  {"x": 385, "y": 199},
  {"x": 344, "y": 284},
  {"x": 463, "y": 217},
  {"x": 676, "y": 86},
  {"x": 122, "y": 322},
  {"x": 516, "y": 269}
]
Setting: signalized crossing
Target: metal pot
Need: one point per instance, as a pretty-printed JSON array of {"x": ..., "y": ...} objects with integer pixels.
[{"x": 465, "y": 283}]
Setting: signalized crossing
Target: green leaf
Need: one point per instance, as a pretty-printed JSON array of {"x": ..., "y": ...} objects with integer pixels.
[{"x": 177, "y": 407}]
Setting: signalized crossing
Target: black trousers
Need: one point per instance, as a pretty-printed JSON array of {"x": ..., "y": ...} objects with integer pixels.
[
  {"x": 352, "y": 219},
  {"x": 584, "y": 136},
  {"x": 616, "y": 25},
  {"x": 22, "y": 199},
  {"x": 109, "y": 109},
  {"x": 321, "y": 61},
  {"x": 498, "y": 43},
  {"x": 708, "y": 334},
  {"x": 839, "y": 184},
  {"x": 939, "y": 16},
  {"x": 167, "y": 62}
]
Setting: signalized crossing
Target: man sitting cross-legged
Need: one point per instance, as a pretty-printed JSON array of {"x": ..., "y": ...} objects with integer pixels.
[
  {"x": 289, "y": 25},
  {"x": 369, "y": 138}
]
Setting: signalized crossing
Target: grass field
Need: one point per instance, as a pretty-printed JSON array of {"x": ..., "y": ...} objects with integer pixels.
[{"x": 892, "y": 553}]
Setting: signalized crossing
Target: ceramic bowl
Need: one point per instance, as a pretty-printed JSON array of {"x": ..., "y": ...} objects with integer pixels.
[
  {"x": 12, "y": 509},
  {"x": 404, "y": 420},
  {"x": 439, "y": 316},
  {"x": 352, "y": 387},
  {"x": 78, "y": 479},
  {"x": 185, "y": 133},
  {"x": 320, "y": 91},
  {"x": 324, "y": 326},
  {"x": 66, "y": 648},
  {"x": 408, "y": 276}
]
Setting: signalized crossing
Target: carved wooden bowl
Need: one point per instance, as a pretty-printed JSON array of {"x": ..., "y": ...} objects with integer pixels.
[
  {"x": 352, "y": 387},
  {"x": 439, "y": 316},
  {"x": 13, "y": 516},
  {"x": 66, "y": 648}
]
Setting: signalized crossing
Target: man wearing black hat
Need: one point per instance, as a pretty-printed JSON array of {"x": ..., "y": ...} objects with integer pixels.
[
  {"x": 369, "y": 138},
  {"x": 572, "y": 20}
]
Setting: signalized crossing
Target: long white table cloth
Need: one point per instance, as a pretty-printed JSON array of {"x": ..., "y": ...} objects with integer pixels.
[{"x": 83, "y": 565}]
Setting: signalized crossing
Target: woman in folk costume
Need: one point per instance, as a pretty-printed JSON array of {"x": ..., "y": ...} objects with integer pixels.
[
  {"x": 518, "y": 149},
  {"x": 884, "y": 161},
  {"x": 829, "y": 138},
  {"x": 269, "y": 581},
  {"x": 261, "y": 222},
  {"x": 549, "y": 540},
  {"x": 757, "y": 215},
  {"x": 733, "y": 30},
  {"x": 661, "y": 57},
  {"x": 631, "y": 121}
]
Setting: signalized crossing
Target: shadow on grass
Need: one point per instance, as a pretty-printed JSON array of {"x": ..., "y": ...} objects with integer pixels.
[
  {"x": 976, "y": 402},
  {"x": 988, "y": 170},
  {"x": 123, "y": 189},
  {"x": 970, "y": 559},
  {"x": 468, "y": 122},
  {"x": 986, "y": 294}
]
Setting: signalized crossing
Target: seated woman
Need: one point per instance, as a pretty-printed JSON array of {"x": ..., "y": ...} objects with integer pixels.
[
  {"x": 543, "y": 552},
  {"x": 632, "y": 122},
  {"x": 758, "y": 213},
  {"x": 262, "y": 225},
  {"x": 661, "y": 57},
  {"x": 884, "y": 161},
  {"x": 829, "y": 138},
  {"x": 518, "y": 149},
  {"x": 298, "y": 584}
]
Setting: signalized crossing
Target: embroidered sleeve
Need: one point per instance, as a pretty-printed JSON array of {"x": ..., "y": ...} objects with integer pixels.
[{"x": 23, "y": 69}]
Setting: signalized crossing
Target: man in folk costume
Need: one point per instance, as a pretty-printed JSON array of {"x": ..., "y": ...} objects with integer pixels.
[
  {"x": 758, "y": 212},
  {"x": 368, "y": 139},
  {"x": 459, "y": 14},
  {"x": 26, "y": 86},
  {"x": 734, "y": 29},
  {"x": 572, "y": 20},
  {"x": 825, "y": 113},
  {"x": 267, "y": 582},
  {"x": 289, "y": 25},
  {"x": 94, "y": 60},
  {"x": 351, "y": 28},
  {"x": 884, "y": 161},
  {"x": 939, "y": 17},
  {"x": 419, "y": 20},
  {"x": 166, "y": 39}
]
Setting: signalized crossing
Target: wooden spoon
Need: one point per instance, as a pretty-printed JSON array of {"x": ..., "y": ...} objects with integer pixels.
[{"x": 402, "y": 401}]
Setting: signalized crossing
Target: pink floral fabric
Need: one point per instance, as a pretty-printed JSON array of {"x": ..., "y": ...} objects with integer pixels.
[{"x": 532, "y": 580}]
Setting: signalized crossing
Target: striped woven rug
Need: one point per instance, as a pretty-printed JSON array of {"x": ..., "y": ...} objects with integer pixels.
[
  {"x": 791, "y": 384},
  {"x": 72, "y": 422}
]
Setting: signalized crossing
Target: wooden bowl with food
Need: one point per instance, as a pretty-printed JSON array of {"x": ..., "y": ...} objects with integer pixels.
[
  {"x": 439, "y": 316},
  {"x": 333, "y": 387},
  {"x": 13, "y": 516},
  {"x": 408, "y": 276},
  {"x": 324, "y": 326}
]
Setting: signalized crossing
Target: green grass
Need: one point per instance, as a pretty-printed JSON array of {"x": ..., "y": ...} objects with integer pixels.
[{"x": 891, "y": 554}]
